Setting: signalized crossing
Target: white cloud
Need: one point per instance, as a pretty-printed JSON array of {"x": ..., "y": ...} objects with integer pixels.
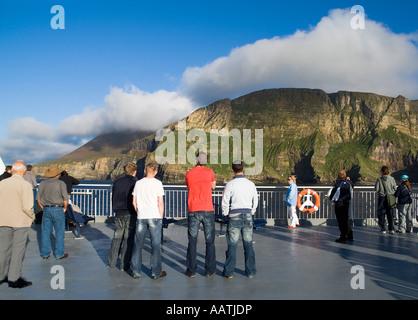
[
  {"x": 31, "y": 141},
  {"x": 31, "y": 128},
  {"x": 130, "y": 109},
  {"x": 331, "y": 56},
  {"x": 32, "y": 150}
]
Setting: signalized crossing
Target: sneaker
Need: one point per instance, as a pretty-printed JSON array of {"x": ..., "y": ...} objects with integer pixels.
[
  {"x": 383, "y": 231},
  {"x": 190, "y": 275},
  {"x": 210, "y": 275},
  {"x": 162, "y": 275},
  {"x": 391, "y": 232}
]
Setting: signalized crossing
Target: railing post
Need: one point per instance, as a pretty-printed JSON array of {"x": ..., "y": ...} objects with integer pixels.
[
  {"x": 95, "y": 205},
  {"x": 264, "y": 209}
]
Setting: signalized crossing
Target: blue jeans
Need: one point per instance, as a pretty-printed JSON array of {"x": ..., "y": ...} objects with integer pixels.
[
  {"x": 155, "y": 228},
  {"x": 53, "y": 217},
  {"x": 405, "y": 218},
  {"x": 243, "y": 224},
  {"x": 208, "y": 220}
]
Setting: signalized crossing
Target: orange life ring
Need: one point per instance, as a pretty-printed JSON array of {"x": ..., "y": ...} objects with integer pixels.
[{"x": 308, "y": 202}]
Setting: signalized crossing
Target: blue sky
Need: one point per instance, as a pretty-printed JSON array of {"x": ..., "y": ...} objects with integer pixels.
[{"x": 143, "y": 64}]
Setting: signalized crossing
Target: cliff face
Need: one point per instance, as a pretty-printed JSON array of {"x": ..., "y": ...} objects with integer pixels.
[
  {"x": 305, "y": 132},
  {"x": 100, "y": 158}
]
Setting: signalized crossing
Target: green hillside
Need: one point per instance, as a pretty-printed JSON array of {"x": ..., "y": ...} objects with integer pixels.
[{"x": 305, "y": 132}]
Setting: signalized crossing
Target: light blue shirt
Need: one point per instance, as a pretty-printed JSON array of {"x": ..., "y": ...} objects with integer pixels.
[{"x": 292, "y": 195}]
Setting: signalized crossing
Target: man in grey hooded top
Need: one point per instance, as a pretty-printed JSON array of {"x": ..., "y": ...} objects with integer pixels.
[{"x": 385, "y": 185}]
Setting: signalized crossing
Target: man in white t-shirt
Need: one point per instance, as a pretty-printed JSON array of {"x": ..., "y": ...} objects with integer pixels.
[{"x": 149, "y": 204}]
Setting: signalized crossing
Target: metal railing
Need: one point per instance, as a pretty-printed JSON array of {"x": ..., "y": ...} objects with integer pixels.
[{"x": 95, "y": 200}]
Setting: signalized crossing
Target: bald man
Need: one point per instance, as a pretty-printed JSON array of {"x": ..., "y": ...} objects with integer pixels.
[{"x": 16, "y": 217}]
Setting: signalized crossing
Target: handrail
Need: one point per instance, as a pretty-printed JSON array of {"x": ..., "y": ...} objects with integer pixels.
[{"x": 96, "y": 200}]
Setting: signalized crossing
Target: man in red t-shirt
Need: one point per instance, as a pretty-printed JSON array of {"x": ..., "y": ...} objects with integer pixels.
[{"x": 200, "y": 182}]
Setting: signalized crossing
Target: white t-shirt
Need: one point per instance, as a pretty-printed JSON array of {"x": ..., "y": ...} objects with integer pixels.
[{"x": 146, "y": 192}]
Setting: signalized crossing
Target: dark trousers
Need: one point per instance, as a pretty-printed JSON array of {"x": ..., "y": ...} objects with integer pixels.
[
  {"x": 342, "y": 214},
  {"x": 207, "y": 218},
  {"x": 123, "y": 241},
  {"x": 383, "y": 211}
]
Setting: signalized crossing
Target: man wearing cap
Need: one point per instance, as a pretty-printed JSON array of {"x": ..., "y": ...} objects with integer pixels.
[
  {"x": 52, "y": 197},
  {"x": 200, "y": 182},
  {"x": 16, "y": 217}
]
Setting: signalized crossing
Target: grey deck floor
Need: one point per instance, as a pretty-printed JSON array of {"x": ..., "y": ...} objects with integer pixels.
[{"x": 300, "y": 264}]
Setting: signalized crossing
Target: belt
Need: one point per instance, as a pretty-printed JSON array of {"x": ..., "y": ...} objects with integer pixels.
[
  {"x": 54, "y": 206},
  {"x": 238, "y": 211}
]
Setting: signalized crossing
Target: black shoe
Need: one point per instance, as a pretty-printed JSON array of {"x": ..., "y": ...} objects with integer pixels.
[
  {"x": 19, "y": 283},
  {"x": 162, "y": 275},
  {"x": 4, "y": 280},
  {"x": 340, "y": 240},
  {"x": 190, "y": 275}
]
